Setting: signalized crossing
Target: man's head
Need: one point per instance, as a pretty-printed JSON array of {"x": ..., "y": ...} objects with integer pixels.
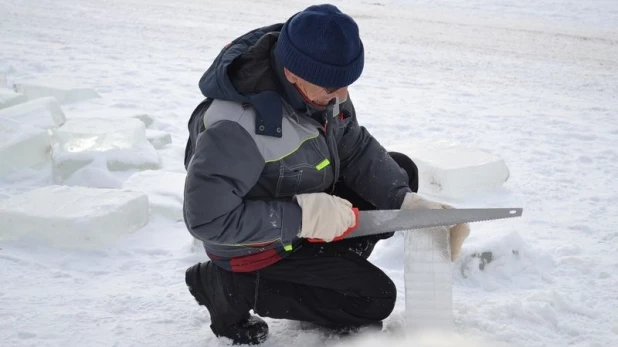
[{"x": 321, "y": 52}]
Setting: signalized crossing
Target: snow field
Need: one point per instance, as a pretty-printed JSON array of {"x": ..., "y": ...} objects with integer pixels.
[
  {"x": 534, "y": 83},
  {"x": 86, "y": 150}
]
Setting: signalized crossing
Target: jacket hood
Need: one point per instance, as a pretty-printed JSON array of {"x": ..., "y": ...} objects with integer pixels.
[{"x": 242, "y": 73}]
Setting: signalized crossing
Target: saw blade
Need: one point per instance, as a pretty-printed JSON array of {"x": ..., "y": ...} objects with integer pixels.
[{"x": 386, "y": 221}]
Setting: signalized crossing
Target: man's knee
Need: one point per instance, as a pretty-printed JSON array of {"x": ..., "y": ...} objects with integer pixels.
[
  {"x": 409, "y": 166},
  {"x": 383, "y": 305},
  {"x": 381, "y": 295}
]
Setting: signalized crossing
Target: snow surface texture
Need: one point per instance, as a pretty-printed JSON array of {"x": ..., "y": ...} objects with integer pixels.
[{"x": 532, "y": 82}]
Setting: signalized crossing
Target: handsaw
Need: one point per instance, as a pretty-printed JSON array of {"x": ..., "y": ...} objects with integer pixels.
[{"x": 386, "y": 221}]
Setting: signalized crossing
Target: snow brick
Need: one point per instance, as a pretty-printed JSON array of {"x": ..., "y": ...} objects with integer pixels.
[
  {"x": 119, "y": 144},
  {"x": 428, "y": 280},
  {"x": 158, "y": 138},
  {"x": 165, "y": 191},
  {"x": 62, "y": 91},
  {"x": 147, "y": 119},
  {"x": 42, "y": 113},
  {"x": 10, "y": 98},
  {"x": 22, "y": 146},
  {"x": 72, "y": 217},
  {"x": 453, "y": 171}
]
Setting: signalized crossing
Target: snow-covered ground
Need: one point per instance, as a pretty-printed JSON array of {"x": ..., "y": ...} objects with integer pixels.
[{"x": 534, "y": 82}]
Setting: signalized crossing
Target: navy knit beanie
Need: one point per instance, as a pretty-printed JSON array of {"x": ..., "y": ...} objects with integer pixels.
[{"x": 322, "y": 45}]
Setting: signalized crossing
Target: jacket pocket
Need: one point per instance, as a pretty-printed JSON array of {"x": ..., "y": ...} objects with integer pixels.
[
  {"x": 288, "y": 181},
  {"x": 299, "y": 178},
  {"x": 316, "y": 173},
  {"x": 307, "y": 170}
]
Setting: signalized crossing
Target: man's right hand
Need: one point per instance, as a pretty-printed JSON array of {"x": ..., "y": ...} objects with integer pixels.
[{"x": 324, "y": 216}]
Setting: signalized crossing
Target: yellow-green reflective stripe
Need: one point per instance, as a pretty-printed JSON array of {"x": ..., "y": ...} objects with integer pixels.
[
  {"x": 324, "y": 163},
  {"x": 287, "y": 248}
]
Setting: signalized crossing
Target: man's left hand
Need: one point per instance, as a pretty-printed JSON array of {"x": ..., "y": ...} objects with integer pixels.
[{"x": 457, "y": 233}]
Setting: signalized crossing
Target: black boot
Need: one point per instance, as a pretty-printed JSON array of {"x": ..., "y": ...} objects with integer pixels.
[
  {"x": 343, "y": 330},
  {"x": 228, "y": 297}
]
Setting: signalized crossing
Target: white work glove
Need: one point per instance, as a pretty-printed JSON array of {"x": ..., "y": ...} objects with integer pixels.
[
  {"x": 457, "y": 233},
  {"x": 325, "y": 216}
]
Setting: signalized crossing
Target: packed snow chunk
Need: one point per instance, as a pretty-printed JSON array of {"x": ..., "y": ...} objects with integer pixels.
[
  {"x": 454, "y": 171},
  {"x": 72, "y": 217},
  {"x": 119, "y": 143},
  {"x": 93, "y": 176},
  {"x": 9, "y": 98},
  {"x": 428, "y": 280},
  {"x": 165, "y": 191},
  {"x": 158, "y": 138},
  {"x": 22, "y": 146},
  {"x": 498, "y": 261},
  {"x": 64, "y": 92},
  {"x": 43, "y": 113},
  {"x": 147, "y": 119}
]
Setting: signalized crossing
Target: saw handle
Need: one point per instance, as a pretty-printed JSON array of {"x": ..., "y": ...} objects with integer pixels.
[{"x": 345, "y": 233}]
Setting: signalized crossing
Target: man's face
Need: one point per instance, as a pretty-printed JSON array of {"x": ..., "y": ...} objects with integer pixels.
[{"x": 316, "y": 95}]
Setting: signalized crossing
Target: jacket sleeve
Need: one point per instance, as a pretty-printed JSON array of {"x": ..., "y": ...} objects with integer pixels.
[
  {"x": 225, "y": 166},
  {"x": 368, "y": 169}
]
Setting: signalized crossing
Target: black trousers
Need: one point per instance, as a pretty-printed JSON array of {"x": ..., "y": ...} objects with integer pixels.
[{"x": 331, "y": 284}]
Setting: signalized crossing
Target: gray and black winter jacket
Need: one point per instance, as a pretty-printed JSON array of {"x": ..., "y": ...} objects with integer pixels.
[{"x": 254, "y": 144}]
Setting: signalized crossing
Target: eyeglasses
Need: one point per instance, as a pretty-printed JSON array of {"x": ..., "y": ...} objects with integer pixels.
[{"x": 330, "y": 90}]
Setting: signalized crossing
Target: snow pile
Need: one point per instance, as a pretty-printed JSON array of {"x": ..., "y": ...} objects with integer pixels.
[
  {"x": 507, "y": 264},
  {"x": 495, "y": 262},
  {"x": 74, "y": 217}
]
